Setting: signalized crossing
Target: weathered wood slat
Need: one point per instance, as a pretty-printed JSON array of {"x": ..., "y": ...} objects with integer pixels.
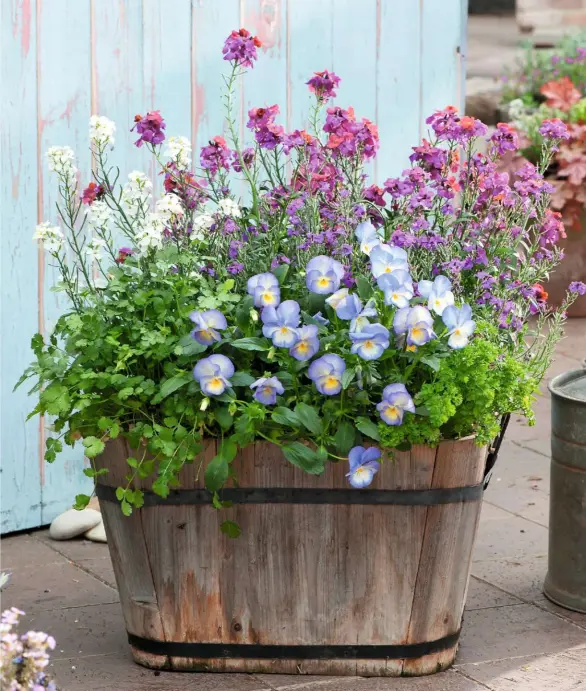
[{"x": 301, "y": 574}]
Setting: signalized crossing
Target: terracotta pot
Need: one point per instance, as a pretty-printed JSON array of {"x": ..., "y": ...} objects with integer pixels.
[
  {"x": 572, "y": 268},
  {"x": 325, "y": 579}
]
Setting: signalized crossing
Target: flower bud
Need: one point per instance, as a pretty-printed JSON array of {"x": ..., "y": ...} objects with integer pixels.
[{"x": 204, "y": 404}]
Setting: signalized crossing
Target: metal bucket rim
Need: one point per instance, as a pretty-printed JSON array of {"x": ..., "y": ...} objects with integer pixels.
[{"x": 563, "y": 379}]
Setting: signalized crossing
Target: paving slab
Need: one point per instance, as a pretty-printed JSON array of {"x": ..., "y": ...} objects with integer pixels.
[
  {"x": 20, "y": 551},
  {"x": 76, "y": 549},
  {"x": 523, "y": 579},
  {"x": 564, "y": 671},
  {"x": 501, "y": 632},
  {"x": 483, "y": 595}
]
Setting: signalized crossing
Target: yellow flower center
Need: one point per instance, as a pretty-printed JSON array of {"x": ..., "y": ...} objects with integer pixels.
[
  {"x": 216, "y": 384},
  {"x": 388, "y": 270},
  {"x": 303, "y": 347},
  {"x": 368, "y": 344},
  {"x": 284, "y": 330},
  {"x": 411, "y": 348},
  {"x": 416, "y": 332},
  {"x": 331, "y": 383},
  {"x": 268, "y": 298},
  {"x": 323, "y": 282}
]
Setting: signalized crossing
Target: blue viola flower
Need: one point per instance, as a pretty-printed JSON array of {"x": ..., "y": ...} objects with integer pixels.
[
  {"x": 267, "y": 389},
  {"x": 324, "y": 275},
  {"x": 371, "y": 342},
  {"x": 213, "y": 374},
  {"x": 207, "y": 326},
  {"x": 460, "y": 325},
  {"x": 438, "y": 293},
  {"x": 361, "y": 321},
  {"x": 346, "y": 306},
  {"x": 385, "y": 259},
  {"x": 396, "y": 402},
  {"x": 416, "y": 322},
  {"x": 265, "y": 290},
  {"x": 366, "y": 233},
  {"x": 307, "y": 345},
  {"x": 326, "y": 373},
  {"x": 320, "y": 319},
  {"x": 363, "y": 466},
  {"x": 397, "y": 287},
  {"x": 280, "y": 323}
]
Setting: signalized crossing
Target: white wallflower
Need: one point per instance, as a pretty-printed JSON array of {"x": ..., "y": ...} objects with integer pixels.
[
  {"x": 169, "y": 205},
  {"x": 179, "y": 149},
  {"x": 61, "y": 160},
  {"x": 98, "y": 214},
  {"x": 51, "y": 236},
  {"x": 230, "y": 208},
  {"x": 102, "y": 131},
  {"x": 94, "y": 248},
  {"x": 137, "y": 192},
  {"x": 150, "y": 236},
  {"x": 200, "y": 223}
]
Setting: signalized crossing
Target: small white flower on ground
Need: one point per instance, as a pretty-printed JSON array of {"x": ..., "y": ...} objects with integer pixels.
[
  {"x": 102, "y": 131},
  {"x": 61, "y": 160},
  {"x": 169, "y": 205},
  {"x": 230, "y": 208},
  {"x": 179, "y": 149},
  {"x": 151, "y": 235},
  {"x": 51, "y": 236},
  {"x": 94, "y": 248},
  {"x": 98, "y": 214}
]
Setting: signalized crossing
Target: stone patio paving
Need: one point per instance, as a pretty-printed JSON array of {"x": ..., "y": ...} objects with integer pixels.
[{"x": 513, "y": 637}]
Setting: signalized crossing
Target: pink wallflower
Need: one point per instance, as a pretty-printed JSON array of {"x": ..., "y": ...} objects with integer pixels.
[
  {"x": 184, "y": 185},
  {"x": 551, "y": 231},
  {"x": 92, "y": 192},
  {"x": 347, "y": 136},
  {"x": 504, "y": 139},
  {"x": 240, "y": 48},
  {"x": 374, "y": 194},
  {"x": 261, "y": 117},
  {"x": 323, "y": 85},
  {"x": 247, "y": 159},
  {"x": 150, "y": 128},
  {"x": 215, "y": 155},
  {"x": 123, "y": 253},
  {"x": 448, "y": 125},
  {"x": 554, "y": 129}
]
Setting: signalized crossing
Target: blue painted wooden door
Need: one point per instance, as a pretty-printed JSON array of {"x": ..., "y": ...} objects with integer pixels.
[{"x": 63, "y": 60}]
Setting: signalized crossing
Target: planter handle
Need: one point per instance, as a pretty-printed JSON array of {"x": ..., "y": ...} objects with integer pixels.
[{"x": 494, "y": 450}]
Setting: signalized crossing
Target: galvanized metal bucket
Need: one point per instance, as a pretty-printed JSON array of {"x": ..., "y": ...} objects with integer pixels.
[{"x": 565, "y": 583}]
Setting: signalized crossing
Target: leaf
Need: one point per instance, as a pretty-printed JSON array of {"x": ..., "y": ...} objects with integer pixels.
[
  {"x": 228, "y": 449},
  {"x": 364, "y": 288},
  {"x": 368, "y": 427},
  {"x": 284, "y": 416},
  {"x": 281, "y": 272},
  {"x": 223, "y": 417},
  {"x": 192, "y": 348},
  {"x": 93, "y": 446},
  {"x": 561, "y": 93},
  {"x": 403, "y": 446},
  {"x": 422, "y": 410},
  {"x": 231, "y": 529},
  {"x": 431, "y": 361},
  {"x": 81, "y": 501},
  {"x": 348, "y": 377},
  {"x": 309, "y": 418},
  {"x": 303, "y": 457},
  {"x": 216, "y": 473},
  {"x": 344, "y": 437},
  {"x": 242, "y": 379},
  {"x": 252, "y": 343},
  {"x": 126, "y": 507},
  {"x": 171, "y": 385}
]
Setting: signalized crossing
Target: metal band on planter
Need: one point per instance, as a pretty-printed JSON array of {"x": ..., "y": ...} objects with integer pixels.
[
  {"x": 293, "y": 652},
  {"x": 308, "y": 495}
]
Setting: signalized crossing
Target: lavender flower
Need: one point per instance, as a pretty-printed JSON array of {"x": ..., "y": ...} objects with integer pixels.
[
  {"x": 397, "y": 287},
  {"x": 307, "y": 345},
  {"x": 207, "y": 325},
  {"x": 416, "y": 322},
  {"x": 438, "y": 292},
  {"x": 240, "y": 48},
  {"x": 396, "y": 402},
  {"x": 371, "y": 342},
  {"x": 267, "y": 389},
  {"x": 387, "y": 258},
  {"x": 265, "y": 290},
  {"x": 213, "y": 374},
  {"x": 363, "y": 466},
  {"x": 324, "y": 275},
  {"x": 326, "y": 373},
  {"x": 460, "y": 325},
  {"x": 280, "y": 323}
]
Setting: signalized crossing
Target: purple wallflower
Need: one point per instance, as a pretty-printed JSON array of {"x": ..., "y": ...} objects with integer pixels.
[
  {"x": 324, "y": 275},
  {"x": 267, "y": 389},
  {"x": 207, "y": 326},
  {"x": 213, "y": 374},
  {"x": 307, "y": 345},
  {"x": 554, "y": 129},
  {"x": 262, "y": 122},
  {"x": 247, "y": 159},
  {"x": 324, "y": 85},
  {"x": 370, "y": 342},
  {"x": 280, "y": 323},
  {"x": 504, "y": 139},
  {"x": 265, "y": 290},
  {"x": 235, "y": 268},
  {"x": 396, "y": 402},
  {"x": 150, "y": 128},
  {"x": 326, "y": 373},
  {"x": 240, "y": 48},
  {"x": 460, "y": 325},
  {"x": 416, "y": 322},
  {"x": 215, "y": 155},
  {"x": 363, "y": 466},
  {"x": 577, "y": 287}
]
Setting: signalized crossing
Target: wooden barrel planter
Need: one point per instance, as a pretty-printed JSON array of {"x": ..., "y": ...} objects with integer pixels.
[{"x": 325, "y": 579}]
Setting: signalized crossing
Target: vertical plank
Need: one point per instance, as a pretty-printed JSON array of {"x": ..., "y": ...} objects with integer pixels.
[
  {"x": 398, "y": 84},
  {"x": 63, "y": 113},
  {"x": 21, "y": 488}
]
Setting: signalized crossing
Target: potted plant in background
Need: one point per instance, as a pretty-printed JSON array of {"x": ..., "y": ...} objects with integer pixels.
[
  {"x": 550, "y": 86},
  {"x": 287, "y": 399}
]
